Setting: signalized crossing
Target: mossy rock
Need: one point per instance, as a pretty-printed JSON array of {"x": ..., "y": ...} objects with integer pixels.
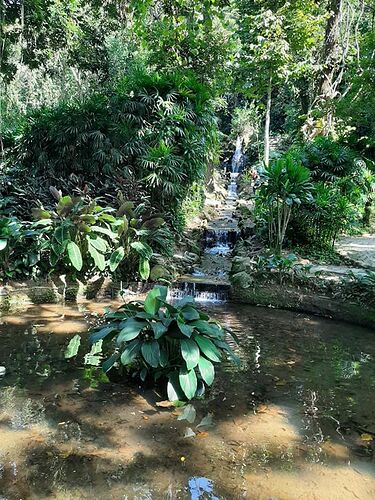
[{"x": 159, "y": 272}]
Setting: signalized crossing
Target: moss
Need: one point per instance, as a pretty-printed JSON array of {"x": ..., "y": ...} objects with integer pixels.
[{"x": 289, "y": 297}]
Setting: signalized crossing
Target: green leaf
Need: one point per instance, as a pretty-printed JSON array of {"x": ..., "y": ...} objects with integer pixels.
[
  {"x": 130, "y": 352},
  {"x": 174, "y": 390},
  {"x": 187, "y": 330},
  {"x": 98, "y": 243},
  {"x": 188, "y": 382},
  {"x": 131, "y": 330},
  {"x": 207, "y": 370},
  {"x": 208, "y": 348},
  {"x": 144, "y": 268},
  {"x": 190, "y": 313},
  {"x": 189, "y": 299},
  {"x": 108, "y": 363},
  {"x": 163, "y": 358},
  {"x": 75, "y": 255},
  {"x": 143, "y": 374},
  {"x": 104, "y": 230},
  {"x": 210, "y": 329},
  {"x": 151, "y": 353},
  {"x": 159, "y": 329},
  {"x": 143, "y": 249},
  {"x": 64, "y": 205},
  {"x": 3, "y": 244},
  {"x": 190, "y": 352},
  {"x": 152, "y": 303},
  {"x": 115, "y": 259},
  {"x": 98, "y": 257},
  {"x": 62, "y": 236},
  {"x": 101, "y": 333},
  {"x": 73, "y": 347}
]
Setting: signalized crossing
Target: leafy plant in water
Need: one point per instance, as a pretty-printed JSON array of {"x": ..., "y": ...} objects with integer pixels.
[{"x": 156, "y": 339}]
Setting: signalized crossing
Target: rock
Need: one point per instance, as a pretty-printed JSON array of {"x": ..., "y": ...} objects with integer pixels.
[
  {"x": 2, "y": 371},
  {"x": 158, "y": 272},
  {"x": 191, "y": 257}
]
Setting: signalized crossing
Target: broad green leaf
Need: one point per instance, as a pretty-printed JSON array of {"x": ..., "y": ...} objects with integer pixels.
[
  {"x": 188, "y": 382},
  {"x": 159, "y": 329},
  {"x": 190, "y": 313},
  {"x": 98, "y": 257},
  {"x": 115, "y": 259},
  {"x": 144, "y": 268},
  {"x": 61, "y": 235},
  {"x": 151, "y": 353},
  {"x": 74, "y": 254},
  {"x": 104, "y": 230},
  {"x": 130, "y": 352},
  {"x": 174, "y": 390},
  {"x": 3, "y": 244},
  {"x": 73, "y": 347},
  {"x": 143, "y": 374},
  {"x": 229, "y": 350},
  {"x": 40, "y": 213},
  {"x": 190, "y": 352},
  {"x": 207, "y": 370},
  {"x": 101, "y": 333},
  {"x": 131, "y": 330},
  {"x": 188, "y": 299},
  {"x": 163, "y": 357},
  {"x": 64, "y": 205},
  {"x": 187, "y": 330},
  {"x": 143, "y": 249},
  {"x": 108, "y": 363},
  {"x": 152, "y": 301},
  {"x": 210, "y": 329},
  {"x": 98, "y": 243},
  {"x": 208, "y": 348}
]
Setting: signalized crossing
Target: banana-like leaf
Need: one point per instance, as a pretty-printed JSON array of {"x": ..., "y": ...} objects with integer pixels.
[{"x": 74, "y": 254}]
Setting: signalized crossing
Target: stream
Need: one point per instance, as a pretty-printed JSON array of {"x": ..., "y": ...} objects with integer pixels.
[{"x": 296, "y": 420}]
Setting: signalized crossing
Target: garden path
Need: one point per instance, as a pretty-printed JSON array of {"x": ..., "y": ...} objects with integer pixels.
[{"x": 360, "y": 249}]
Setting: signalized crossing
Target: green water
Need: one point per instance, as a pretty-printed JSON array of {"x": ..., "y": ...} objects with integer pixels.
[{"x": 297, "y": 420}]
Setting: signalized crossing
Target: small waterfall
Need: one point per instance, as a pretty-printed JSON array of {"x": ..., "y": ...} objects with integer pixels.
[
  {"x": 202, "y": 292},
  {"x": 237, "y": 161}
]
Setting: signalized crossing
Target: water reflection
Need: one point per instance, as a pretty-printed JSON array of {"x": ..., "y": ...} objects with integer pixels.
[{"x": 298, "y": 413}]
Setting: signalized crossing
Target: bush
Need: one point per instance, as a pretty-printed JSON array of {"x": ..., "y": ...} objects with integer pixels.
[
  {"x": 81, "y": 237},
  {"x": 157, "y": 340},
  {"x": 152, "y": 134},
  {"x": 286, "y": 186}
]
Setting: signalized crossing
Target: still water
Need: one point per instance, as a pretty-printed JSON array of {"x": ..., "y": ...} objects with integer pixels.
[{"x": 295, "y": 421}]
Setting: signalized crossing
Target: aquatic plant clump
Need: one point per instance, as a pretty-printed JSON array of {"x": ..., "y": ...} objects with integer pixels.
[{"x": 154, "y": 339}]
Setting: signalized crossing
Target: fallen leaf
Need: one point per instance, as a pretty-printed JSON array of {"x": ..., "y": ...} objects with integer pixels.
[
  {"x": 165, "y": 404},
  {"x": 366, "y": 437},
  {"x": 145, "y": 417},
  {"x": 203, "y": 434},
  {"x": 280, "y": 382},
  {"x": 189, "y": 433}
]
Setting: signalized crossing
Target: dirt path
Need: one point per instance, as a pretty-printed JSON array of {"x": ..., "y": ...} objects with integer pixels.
[{"x": 360, "y": 249}]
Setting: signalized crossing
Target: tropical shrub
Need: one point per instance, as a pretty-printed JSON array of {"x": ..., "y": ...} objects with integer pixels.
[
  {"x": 87, "y": 237},
  {"x": 153, "y": 134},
  {"x": 321, "y": 220},
  {"x": 21, "y": 245},
  {"x": 286, "y": 185},
  {"x": 155, "y": 339}
]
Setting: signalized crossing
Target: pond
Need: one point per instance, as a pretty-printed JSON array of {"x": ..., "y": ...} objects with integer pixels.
[{"x": 296, "y": 420}]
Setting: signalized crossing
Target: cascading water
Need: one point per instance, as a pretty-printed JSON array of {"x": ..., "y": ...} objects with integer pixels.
[
  {"x": 209, "y": 282},
  {"x": 236, "y": 165}
]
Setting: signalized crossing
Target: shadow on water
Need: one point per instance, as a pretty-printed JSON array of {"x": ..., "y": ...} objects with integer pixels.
[{"x": 296, "y": 420}]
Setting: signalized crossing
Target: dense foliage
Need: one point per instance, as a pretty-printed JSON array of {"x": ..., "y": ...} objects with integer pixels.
[{"x": 175, "y": 344}]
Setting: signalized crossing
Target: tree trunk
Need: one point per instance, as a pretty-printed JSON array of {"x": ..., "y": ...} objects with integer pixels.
[
  {"x": 267, "y": 123},
  {"x": 331, "y": 59}
]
